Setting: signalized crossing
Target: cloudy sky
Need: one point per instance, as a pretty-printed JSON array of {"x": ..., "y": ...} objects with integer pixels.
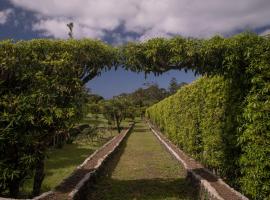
[{"x": 118, "y": 21}]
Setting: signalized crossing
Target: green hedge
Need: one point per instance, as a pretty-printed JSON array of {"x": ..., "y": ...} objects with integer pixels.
[
  {"x": 194, "y": 119},
  {"x": 205, "y": 119},
  {"x": 255, "y": 137}
]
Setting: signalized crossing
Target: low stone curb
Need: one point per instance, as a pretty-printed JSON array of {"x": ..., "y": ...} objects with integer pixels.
[
  {"x": 90, "y": 177},
  {"x": 86, "y": 182},
  {"x": 207, "y": 191}
]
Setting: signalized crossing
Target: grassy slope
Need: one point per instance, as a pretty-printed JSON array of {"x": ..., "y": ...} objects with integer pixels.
[
  {"x": 145, "y": 171},
  {"x": 61, "y": 162}
]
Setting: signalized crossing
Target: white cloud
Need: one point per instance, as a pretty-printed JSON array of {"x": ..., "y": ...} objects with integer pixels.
[
  {"x": 149, "y": 18},
  {"x": 4, "y": 14},
  {"x": 58, "y": 28},
  {"x": 266, "y": 32}
]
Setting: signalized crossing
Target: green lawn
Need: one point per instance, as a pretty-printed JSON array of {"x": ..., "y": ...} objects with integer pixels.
[
  {"x": 61, "y": 162},
  {"x": 99, "y": 121},
  {"x": 144, "y": 170}
]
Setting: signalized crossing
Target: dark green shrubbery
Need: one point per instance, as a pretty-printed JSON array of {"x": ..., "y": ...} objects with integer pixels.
[
  {"x": 255, "y": 131},
  {"x": 42, "y": 95}
]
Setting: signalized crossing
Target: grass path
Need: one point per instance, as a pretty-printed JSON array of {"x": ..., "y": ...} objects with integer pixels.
[{"x": 144, "y": 170}]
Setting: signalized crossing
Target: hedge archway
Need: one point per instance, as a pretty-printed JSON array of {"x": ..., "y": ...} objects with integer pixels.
[{"x": 42, "y": 92}]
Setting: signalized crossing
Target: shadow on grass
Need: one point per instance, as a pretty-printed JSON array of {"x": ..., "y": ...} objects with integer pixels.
[
  {"x": 73, "y": 154},
  {"x": 107, "y": 188},
  {"x": 110, "y": 164},
  {"x": 143, "y": 189},
  {"x": 141, "y": 130},
  {"x": 206, "y": 175},
  {"x": 71, "y": 181},
  {"x": 70, "y": 155}
]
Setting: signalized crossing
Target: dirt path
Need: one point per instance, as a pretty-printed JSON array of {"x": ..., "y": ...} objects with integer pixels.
[{"x": 143, "y": 170}]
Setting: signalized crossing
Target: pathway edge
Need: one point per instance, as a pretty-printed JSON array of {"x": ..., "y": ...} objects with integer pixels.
[{"x": 206, "y": 185}]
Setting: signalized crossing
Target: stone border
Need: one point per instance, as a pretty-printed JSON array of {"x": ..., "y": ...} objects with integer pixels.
[
  {"x": 43, "y": 195},
  {"x": 89, "y": 177},
  {"x": 207, "y": 191}
]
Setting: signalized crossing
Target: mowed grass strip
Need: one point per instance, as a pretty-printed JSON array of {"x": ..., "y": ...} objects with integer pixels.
[{"x": 143, "y": 170}]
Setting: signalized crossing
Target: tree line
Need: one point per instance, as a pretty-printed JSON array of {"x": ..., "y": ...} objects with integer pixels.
[{"x": 130, "y": 105}]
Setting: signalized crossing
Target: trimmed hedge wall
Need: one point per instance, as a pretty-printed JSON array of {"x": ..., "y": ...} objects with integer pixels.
[
  {"x": 205, "y": 119},
  {"x": 255, "y": 130},
  {"x": 194, "y": 119}
]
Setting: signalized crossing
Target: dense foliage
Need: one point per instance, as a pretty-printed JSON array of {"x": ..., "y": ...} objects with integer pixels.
[
  {"x": 144, "y": 97},
  {"x": 203, "y": 119},
  {"x": 42, "y": 93},
  {"x": 255, "y": 133},
  {"x": 243, "y": 61},
  {"x": 195, "y": 119},
  {"x": 115, "y": 111},
  {"x": 174, "y": 86},
  {"x": 126, "y": 105}
]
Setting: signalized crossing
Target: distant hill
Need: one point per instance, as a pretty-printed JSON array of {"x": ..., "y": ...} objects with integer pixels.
[{"x": 266, "y": 35}]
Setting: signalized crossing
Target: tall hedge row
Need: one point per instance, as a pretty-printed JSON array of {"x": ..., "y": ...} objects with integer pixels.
[
  {"x": 205, "y": 119},
  {"x": 255, "y": 130},
  {"x": 194, "y": 119}
]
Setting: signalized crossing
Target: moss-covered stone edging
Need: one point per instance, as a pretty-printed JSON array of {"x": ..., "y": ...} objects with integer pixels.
[
  {"x": 78, "y": 192},
  {"x": 213, "y": 189}
]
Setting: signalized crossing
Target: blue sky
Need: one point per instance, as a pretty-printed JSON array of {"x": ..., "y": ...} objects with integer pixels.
[
  {"x": 119, "y": 21},
  {"x": 115, "y": 82}
]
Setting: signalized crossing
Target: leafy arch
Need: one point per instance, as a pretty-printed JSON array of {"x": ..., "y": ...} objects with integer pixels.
[{"x": 42, "y": 92}]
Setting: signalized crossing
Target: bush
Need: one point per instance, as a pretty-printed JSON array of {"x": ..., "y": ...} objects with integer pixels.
[{"x": 42, "y": 94}]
